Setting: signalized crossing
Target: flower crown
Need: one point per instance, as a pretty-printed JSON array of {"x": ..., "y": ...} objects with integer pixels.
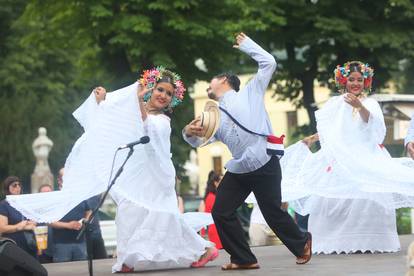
[
  {"x": 342, "y": 73},
  {"x": 149, "y": 78}
]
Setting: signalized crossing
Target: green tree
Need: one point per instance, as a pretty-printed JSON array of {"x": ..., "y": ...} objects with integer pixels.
[
  {"x": 309, "y": 38},
  {"x": 405, "y": 78},
  {"x": 126, "y": 37},
  {"x": 39, "y": 87},
  {"x": 322, "y": 34},
  {"x": 53, "y": 53}
]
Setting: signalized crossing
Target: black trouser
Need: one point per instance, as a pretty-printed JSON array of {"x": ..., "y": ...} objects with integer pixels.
[{"x": 265, "y": 184}]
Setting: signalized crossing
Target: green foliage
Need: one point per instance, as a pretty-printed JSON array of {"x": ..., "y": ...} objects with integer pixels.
[
  {"x": 404, "y": 221},
  {"x": 38, "y": 88},
  {"x": 405, "y": 77},
  {"x": 53, "y": 52},
  {"x": 58, "y": 50},
  {"x": 318, "y": 35}
]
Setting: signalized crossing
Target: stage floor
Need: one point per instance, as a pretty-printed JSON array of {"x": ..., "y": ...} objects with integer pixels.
[{"x": 274, "y": 260}]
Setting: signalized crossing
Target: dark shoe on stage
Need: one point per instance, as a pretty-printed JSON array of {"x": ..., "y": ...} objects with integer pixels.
[
  {"x": 307, "y": 252},
  {"x": 233, "y": 266}
]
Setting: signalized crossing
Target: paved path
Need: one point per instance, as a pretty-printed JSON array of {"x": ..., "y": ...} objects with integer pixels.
[{"x": 274, "y": 260}]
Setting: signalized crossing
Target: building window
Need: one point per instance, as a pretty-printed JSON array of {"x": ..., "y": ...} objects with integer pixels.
[
  {"x": 217, "y": 166},
  {"x": 292, "y": 119}
]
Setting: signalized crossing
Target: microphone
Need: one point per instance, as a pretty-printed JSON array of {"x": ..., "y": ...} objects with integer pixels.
[{"x": 143, "y": 140}]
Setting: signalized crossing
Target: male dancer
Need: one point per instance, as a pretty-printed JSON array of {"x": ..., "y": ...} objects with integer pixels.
[{"x": 251, "y": 169}]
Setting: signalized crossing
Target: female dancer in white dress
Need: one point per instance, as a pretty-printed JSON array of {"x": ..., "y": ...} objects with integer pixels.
[
  {"x": 351, "y": 186},
  {"x": 151, "y": 233}
]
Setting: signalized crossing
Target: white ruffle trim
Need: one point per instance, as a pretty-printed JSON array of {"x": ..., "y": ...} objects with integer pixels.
[{"x": 356, "y": 244}]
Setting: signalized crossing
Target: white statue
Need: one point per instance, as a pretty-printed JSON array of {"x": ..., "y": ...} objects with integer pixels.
[
  {"x": 192, "y": 170},
  {"x": 41, "y": 148}
]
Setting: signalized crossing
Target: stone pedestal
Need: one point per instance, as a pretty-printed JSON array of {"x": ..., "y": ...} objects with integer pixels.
[{"x": 41, "y": 148}]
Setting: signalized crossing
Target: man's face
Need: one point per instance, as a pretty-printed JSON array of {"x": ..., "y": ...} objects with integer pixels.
[{"x": 214, "y": 87}]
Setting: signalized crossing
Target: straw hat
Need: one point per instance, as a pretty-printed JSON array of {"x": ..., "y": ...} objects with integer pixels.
[{"x": 209, "y": 121}]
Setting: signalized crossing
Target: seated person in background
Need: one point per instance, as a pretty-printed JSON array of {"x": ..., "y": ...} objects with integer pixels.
[
  {"x": 66, "y": 247},
  {"x": 12, "y": 223}
]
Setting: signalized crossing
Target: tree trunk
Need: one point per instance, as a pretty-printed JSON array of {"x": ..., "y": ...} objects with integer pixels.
[
  {"x": 307, "y": 79},
  {"x": 309, "y": 102}
]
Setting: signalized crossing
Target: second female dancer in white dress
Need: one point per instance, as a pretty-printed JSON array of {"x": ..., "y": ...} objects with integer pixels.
[
  {"x": 151, "y": 233},
  {"x": 351, "y": 186}
]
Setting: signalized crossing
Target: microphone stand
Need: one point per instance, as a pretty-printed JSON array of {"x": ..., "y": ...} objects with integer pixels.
[{"x": 86, "y": 223}]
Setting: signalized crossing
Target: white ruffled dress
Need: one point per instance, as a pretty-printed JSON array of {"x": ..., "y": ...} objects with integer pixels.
[
  {"x": 351, "y": 186},
  {"x": 151, "y": 233}
]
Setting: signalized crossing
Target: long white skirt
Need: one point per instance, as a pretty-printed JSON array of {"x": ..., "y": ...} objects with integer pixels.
[
  {"x": 351, "y": 186},
  {"x": 156, "y": 239},
  {"x": 351, "y": 225}
]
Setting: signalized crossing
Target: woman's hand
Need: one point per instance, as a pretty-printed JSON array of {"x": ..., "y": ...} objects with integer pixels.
[
  {"x": 352, "y": 100},
  {"x": 25, "y": 225},
  {"x": 100, "y": 94},
  {"x": 356, "y": 103},
  {"x": 142, "y": 90},
  {"x": 21, "y": 225},
  {"x": 31, "y": 225},
  {"x": 308, "y": 141},
  {"x": 239, "y": 39}
]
